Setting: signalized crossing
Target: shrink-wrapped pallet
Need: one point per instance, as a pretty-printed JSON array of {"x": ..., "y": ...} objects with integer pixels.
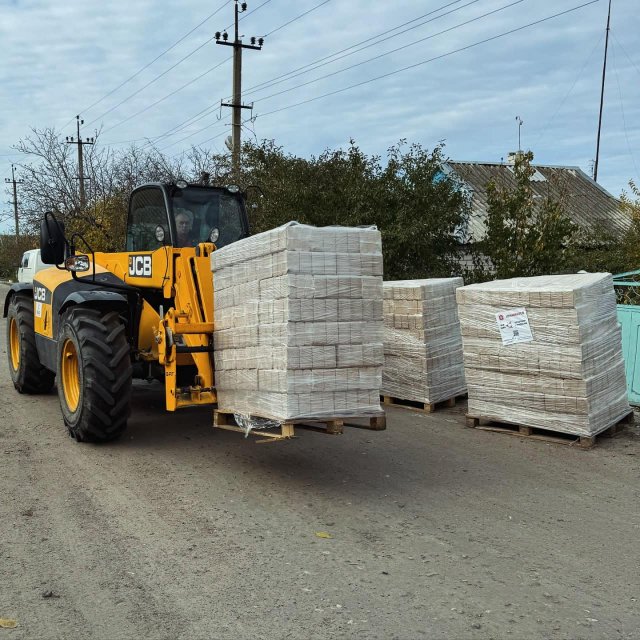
[
  {"x": 422, "y": 342},
  {"x": 544, "y": 352},
  {"x": 298, "y": 323}
]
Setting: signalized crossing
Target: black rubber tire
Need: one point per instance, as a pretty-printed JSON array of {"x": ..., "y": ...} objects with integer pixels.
[
  {"x": 30, "y": 376},
  {"x": 105, "y": 372}
]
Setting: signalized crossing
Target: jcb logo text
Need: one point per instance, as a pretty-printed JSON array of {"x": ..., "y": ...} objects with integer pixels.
[{"x": 140, "y": 266}]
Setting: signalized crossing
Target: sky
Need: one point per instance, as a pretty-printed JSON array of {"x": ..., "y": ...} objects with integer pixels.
[{"x": 376, "y": 72}]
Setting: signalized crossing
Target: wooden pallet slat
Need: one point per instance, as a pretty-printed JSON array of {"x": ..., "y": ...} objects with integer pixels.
[
  {"x": 422, "y": 407},
  {"x": 546, "y": 435}
]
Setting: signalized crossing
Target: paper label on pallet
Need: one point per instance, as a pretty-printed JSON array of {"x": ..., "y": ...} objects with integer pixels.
[{"x": 514, "y": 326}]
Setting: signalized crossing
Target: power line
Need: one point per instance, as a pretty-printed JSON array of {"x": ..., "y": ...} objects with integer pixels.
[
  {"x": 368, "y": 42},
  {"x": 218, "y": 135},
  {"x": 555, "y": 113},
  {"x": 625, "y": 52},
  {"x": 153, "y": 104},
  {"x": 192, "y": 120},
  {"x": 189, "y": 136},
  {"x": 207, "y": 110},
  {"x": 173, "y": 66},
  {"x": 164, "y": 73},
  {"x": 624, "y": 119},
  {"x": 439, "y": 57},
  {"x": 286, "y": 24},
  {"x": 196, "y": 132},
  {"x": 211, "y": 108},
  {"x": 146, "y": 66},
  {"x": 382, "y": 55}
]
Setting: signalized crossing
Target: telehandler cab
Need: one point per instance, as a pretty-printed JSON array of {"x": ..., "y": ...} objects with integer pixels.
[{"x": 102, "y": 319}]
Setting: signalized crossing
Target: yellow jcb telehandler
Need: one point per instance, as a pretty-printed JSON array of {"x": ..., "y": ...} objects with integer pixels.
[{"x": 101, "y": 319}]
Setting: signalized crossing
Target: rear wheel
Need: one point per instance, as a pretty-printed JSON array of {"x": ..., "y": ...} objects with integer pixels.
[
  {"x": 94, "y": 374},
  {"x": 27, "y": 374}
]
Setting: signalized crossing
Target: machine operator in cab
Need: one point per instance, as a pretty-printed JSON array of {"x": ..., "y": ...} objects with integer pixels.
[{"x": 184, "y": 228}]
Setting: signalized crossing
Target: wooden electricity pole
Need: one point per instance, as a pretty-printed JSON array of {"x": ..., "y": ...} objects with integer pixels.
[
  {"x": 80, "y": 143},
  {"x": 15, "y": 184},
  {"x": 236, "y": 104}
]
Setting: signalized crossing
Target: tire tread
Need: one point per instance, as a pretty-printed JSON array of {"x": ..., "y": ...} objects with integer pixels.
[
  {"x": 35, "y": 377},
  {"x": 106, "y": 392}
]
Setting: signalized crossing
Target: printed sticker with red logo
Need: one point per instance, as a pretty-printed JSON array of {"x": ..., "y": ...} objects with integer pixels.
[{"x": 514, "y": 326}]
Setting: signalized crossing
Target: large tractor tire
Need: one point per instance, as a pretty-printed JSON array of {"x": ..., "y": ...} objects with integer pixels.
[
  {"x": 27, "y": 374},
  {"x": 94, "y": 374}
]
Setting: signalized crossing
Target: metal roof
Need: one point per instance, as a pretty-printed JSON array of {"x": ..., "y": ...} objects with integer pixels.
[{"x": 588, "y": 205}]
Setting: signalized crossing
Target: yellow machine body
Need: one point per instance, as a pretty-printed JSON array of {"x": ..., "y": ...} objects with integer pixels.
[
  {"x": 180, "y": 335},
  {"x": 99, "y": 319}
]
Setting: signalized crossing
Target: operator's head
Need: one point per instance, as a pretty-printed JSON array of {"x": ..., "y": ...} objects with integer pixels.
[{"x": 184, "y": 222}]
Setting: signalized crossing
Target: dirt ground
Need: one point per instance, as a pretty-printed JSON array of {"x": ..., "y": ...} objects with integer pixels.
[{"x": 437, "y": 531}]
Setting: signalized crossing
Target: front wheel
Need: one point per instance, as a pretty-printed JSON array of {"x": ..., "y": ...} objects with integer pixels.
[
  {"x": 27, "y": 374},
  {"x": 94, "y": 374}
]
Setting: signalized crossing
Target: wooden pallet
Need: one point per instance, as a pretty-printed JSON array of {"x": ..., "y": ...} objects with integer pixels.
[
  {"x": 546, "y": 435},
  {"x": 225, "y": 420},
  {"x": 422, "y": 407}
]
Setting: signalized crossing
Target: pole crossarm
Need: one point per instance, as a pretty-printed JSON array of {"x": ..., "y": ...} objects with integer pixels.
[
  {"x": 12, "y": 181},
  {"x": 80, "y": 144}
]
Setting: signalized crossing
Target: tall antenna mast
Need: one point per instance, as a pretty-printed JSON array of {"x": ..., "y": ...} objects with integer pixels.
[
  {"x": 604, "y": 74},
  {"x": 520, "y": 122}
]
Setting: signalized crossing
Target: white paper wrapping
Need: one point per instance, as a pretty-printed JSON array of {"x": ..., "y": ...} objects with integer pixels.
[
  {"x": 422, "y": 342},
  {"x": 570, "y": 377},
  {"x": 298, "y": 323}
]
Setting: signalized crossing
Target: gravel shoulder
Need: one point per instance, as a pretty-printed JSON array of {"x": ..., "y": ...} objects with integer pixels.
[{"x": 438, "y": 531}]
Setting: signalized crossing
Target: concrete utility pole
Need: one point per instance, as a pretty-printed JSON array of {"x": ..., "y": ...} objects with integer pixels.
[
  {"x": 237, "y": 105},
  {"x": 80, "y": 142},
  {"x": 604, "y": 75},
  {"x": 15, "y": 184}
]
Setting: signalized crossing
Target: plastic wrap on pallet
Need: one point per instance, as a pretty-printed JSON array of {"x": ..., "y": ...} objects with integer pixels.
[
  {"x": 250, "y": 423},
  {"x": 422, "y": 343},
  {"x": 298, "y": 324},
  {"x": 558, "y": 366}
]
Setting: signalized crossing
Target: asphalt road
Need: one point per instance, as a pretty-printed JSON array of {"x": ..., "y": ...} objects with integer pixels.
[{"x": 179, "y": 531}]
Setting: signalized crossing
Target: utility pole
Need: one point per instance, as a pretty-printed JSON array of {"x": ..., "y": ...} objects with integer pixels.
[
  {"x": 15, "y": 184},
  {"x": 604, "y": 74},
  {"x": 80, "y": 143},
  {"x": 236, "y": 104}
]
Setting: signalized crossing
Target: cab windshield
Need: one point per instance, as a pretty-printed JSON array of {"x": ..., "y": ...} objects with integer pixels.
[{"x": 202, "y": 214}]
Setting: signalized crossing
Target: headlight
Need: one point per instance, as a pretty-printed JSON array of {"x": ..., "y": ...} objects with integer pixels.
[
  {"x": 181, "y": 184},
  {"x": 233, "y": 188},
  {"x": 160, "y": 233},
  {"x": 214, "y": 235}
]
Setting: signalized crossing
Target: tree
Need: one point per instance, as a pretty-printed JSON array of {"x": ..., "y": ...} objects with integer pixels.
[
  {"x": 598, "y": 250},
  {"x": 525, "y": 238},
  {"x": 417, "y": 208},
  {"x": 631, "y": 243},
  {"x": 11, "y": 253},
  {"x": 50, "y": 184}
]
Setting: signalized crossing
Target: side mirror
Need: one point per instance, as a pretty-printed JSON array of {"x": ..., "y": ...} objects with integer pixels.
[{"x": 52, "y": 240}]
